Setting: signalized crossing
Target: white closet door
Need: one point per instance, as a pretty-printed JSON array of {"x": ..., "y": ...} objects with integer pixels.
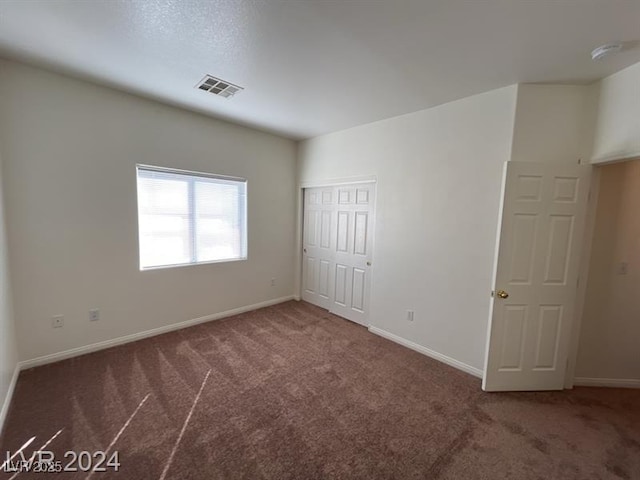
[
  {"x": 337, "y": 249},
  {"x": 354, "y": 222},
  {"x": 318, "y": 245}
]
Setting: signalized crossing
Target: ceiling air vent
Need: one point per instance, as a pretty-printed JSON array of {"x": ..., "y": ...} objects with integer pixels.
[{"x": 222, "y": 88}]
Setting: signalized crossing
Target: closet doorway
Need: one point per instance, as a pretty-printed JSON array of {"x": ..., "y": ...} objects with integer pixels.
[{"x": 337, "y": 247}]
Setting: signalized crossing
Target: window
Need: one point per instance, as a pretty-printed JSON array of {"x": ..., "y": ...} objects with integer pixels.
[{"x": 187, "y": 217}]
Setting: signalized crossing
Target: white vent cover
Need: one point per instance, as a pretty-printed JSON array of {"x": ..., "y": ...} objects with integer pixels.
[{"x": 219, "y": 87}]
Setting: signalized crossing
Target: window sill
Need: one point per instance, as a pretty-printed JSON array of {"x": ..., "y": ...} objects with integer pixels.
[{"x": 195, "y": 264}]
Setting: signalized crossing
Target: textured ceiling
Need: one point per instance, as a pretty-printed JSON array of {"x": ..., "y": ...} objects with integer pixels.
[{"x": 314, "y": 66}]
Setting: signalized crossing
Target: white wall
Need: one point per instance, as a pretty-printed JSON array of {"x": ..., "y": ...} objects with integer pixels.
[
  {"x": 439, "y": 177},
  {"x": 609, "y": 347},
  {"x": 552, "y": 124},
  {"x": 617, "y": 130},
  {"x": 70, "y": 150},
  {"x": 8, "y": 347}
]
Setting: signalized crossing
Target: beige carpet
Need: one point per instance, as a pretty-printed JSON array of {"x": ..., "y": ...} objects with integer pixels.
[{"x": 292, "y": 392}]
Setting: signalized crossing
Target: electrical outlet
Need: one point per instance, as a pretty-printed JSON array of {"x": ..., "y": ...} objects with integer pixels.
[
  {"x": 273, "y": 281},
  {"x": 410, "y": 315},
  {"x": 94, "y": 315},
  {"x": 57, "y": 321}
]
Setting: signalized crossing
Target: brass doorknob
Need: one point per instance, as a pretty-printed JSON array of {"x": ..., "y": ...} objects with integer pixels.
[{"x": 502, "y": 294}]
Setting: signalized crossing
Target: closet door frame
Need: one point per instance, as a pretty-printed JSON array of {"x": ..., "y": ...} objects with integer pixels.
[{"x": 299, "y": 257}]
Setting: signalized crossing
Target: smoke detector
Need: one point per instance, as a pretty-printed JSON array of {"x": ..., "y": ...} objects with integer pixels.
[
  {"x": 607, "y": 49},
  {"x": 217, "y": 86}
]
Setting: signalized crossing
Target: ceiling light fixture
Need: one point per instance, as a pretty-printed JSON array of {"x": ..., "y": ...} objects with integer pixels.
[{"x": 607, "y": 49}]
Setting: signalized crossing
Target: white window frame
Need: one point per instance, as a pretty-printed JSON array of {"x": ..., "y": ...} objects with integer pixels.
[{"x": 190, "y": 173}]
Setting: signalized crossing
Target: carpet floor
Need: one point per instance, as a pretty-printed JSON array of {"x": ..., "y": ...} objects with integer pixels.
[{"x": 293, "y": 392}]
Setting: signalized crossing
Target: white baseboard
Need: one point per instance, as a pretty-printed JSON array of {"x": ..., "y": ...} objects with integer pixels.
[
  {"x": 476, "y": 372},
  {"x": 606, "y": 382},
  {"x": 94, "y": 347},
  {"x": 7, "y": 399}
]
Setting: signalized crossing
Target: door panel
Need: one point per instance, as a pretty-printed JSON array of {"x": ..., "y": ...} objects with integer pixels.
[
  {"x": 310, "y": 275},
  {"x": 540, "y": 238},
  {"x": 324, "y": 285},
  {"x": 358, "y": 291},
  {"x": 343, "y": 232},
  {"x": 342, "y": 272},
  {"x": 360, "y": 241},
  {"x": 525, "y": 229},
  {"x": 362, "y": 196},
  {"x": 515, "y": 318},
  {"x": 311, "y": 228},
  {"x": 338, "y": 223},
  {"x": 549, "y": 327},
  {"x": 325, "y": 229},
  {"x": 344, "y": 196},
  {"x": 558, "y": 251},
  {"x": 318, "y": 244}
]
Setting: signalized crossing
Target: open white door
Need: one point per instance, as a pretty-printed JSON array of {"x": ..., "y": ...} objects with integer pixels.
[
  {"x": 536, "y": 275},
  {"x": 337, "y": 249}
]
